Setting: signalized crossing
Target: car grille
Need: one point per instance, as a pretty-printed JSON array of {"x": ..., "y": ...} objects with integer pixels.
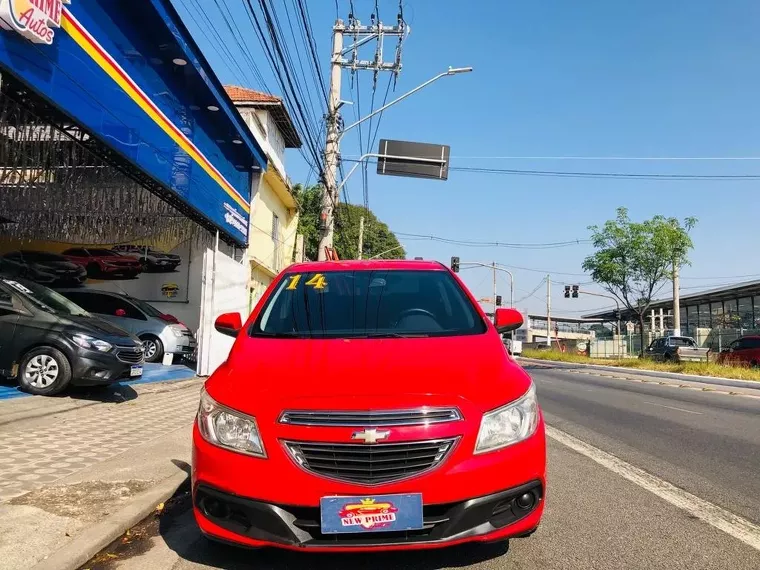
[
  {"x": 420, "y": 416},
  {"x": 370, "y": 464},
  {"x": 130, "y": 355}
]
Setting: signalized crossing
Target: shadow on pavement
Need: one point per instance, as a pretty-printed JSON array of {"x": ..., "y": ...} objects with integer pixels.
[
  {"x": 113, "y": 394},
  {"x": 182, "y": 535}
]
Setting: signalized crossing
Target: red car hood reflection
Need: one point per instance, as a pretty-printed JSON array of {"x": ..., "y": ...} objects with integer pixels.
[{"x": 367, "y": 374}]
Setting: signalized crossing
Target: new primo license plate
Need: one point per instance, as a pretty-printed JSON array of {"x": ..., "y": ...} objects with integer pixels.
[
  {"x": 136, "y": 370},
  {"x": 379, "y": 513}
]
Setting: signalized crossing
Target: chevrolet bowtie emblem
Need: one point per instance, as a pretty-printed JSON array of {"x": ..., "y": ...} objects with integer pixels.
[{"x": 371, "y": 435}]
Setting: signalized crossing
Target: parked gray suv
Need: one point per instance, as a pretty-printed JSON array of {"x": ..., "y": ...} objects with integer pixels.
[{"x": 160, "y": 333}]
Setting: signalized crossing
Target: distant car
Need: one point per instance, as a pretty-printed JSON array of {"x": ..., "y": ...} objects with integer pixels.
[
  {"x": 159, "y": 333},
  {"x": 744, "y": 351},
  {"x": 676, "y": 349},
  {"x": 151, "y": 258},
  {"x": 104, "y": 262},
  {"x": 514, "y": 347},
  {"x": 42, "y": 267},
  {"x": 47, "y": 342}
]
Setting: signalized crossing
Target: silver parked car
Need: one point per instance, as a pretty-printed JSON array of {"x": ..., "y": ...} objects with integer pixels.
[{"x": 160, "y": 333}]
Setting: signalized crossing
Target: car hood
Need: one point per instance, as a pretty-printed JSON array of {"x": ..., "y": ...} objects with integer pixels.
[
  {"x": 101, "y": 329},
  {"x": 269, "y": 375}
]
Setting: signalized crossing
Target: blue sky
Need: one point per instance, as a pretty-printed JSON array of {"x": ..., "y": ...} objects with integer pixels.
[{"x": 552, "y": 78}]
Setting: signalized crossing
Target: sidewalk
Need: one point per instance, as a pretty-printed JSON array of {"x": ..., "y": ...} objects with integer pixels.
[{"x": 68, "y": 463}]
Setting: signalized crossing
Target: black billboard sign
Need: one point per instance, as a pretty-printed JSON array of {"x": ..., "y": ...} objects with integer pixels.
[{"x": 412, "y": 159}]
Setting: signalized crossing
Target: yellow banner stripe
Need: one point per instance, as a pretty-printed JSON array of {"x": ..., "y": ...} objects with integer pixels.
[{"x": 86, "y": 44}]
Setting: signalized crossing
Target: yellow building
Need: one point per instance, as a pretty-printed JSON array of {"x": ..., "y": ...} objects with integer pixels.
[{"x": 274, "y": 212}]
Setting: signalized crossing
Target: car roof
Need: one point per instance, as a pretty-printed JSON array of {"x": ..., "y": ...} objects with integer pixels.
[{"x": 365, "y": 265}]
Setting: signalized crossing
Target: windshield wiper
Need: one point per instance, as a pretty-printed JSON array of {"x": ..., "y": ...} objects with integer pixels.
[{"x": 393, "y": 335}]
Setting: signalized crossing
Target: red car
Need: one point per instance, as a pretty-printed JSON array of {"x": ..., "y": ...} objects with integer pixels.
[
  {"x": 371, "y": 386},
  {"x": 744, "y": 351},
  {"x": 104, "y": 262}
]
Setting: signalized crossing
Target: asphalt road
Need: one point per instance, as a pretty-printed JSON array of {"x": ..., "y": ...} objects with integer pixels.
[{"x": 602, "y": 511}]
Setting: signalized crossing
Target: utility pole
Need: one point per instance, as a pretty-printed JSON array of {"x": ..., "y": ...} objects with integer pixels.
[
  {"x": 361, "y": 35},
  {"x": 549, "y": 311},
  {"x": 361, "y": 236},
  {"x": 332, "y": 146},
  {"x": 493, "y": 264},
  {"x": 676, "y": 300}
]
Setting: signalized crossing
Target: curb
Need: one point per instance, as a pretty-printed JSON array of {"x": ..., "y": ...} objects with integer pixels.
[
  {"x": 96, "y": 537},
  {"x": 751, "y": 384}
]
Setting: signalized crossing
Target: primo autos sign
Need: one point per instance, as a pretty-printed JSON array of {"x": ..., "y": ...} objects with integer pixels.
[{"x": 33, "y": 19}]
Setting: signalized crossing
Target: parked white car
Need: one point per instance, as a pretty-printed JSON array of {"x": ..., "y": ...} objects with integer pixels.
[{"x": 159, "y": 333}]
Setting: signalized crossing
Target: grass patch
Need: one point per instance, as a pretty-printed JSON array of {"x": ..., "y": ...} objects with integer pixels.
[{"x": 693, "y": 368}]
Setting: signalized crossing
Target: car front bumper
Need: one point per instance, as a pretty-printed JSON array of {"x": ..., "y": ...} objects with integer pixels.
[
  {"x": 273, "y": 502},
  {"x": 91, "y": 368},
  {"x": 231, "y": 518}
]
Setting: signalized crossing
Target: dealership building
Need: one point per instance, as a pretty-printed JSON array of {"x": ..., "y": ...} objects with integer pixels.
[
  {"x": 714, "y": 317},
  {"x": 116, "y": 134}
]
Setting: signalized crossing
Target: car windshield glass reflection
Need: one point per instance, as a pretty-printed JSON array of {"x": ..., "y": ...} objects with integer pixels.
[
  {"x": 46, "y": 299},
  {"x": 368, "y": 304}
]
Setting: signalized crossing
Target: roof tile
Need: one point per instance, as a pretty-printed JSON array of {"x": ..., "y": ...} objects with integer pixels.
[{"x": 238, "y": 94}]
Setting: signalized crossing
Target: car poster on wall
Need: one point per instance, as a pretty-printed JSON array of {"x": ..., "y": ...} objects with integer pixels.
[{"x": 152, "y": 272}]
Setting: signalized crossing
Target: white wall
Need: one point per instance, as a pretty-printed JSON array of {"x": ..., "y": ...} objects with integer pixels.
[{"x": 224, "y": 290}]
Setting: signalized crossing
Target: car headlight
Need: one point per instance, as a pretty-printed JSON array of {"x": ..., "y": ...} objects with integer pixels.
[
  {"x": 87, "y": 341},
  {"x": 178, "y": 331},
  {"x": 509, "y": 424},
  {"x": 228, "y": 429}
]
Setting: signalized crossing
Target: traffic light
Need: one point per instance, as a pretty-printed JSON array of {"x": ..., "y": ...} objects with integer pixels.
[
  {"x": 567, "y": 291},
  {"x": 498, "y": 300},
  {"x": 575, "y": 291},
  {"x": 455, "y": 264}
]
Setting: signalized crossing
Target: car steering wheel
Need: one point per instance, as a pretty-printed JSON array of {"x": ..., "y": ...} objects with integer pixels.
[{"x": 408, "y": 312}]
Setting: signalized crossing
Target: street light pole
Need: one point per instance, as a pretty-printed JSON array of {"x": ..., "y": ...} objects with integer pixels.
[
  {"x": 495, "y": 267},
  {"x": 450, "y": 71},
  {"x": 332, "y": 149}
]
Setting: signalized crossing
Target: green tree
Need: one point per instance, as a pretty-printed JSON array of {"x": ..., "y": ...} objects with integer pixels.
[
  {"x": 633, "y": 260},
  {"x": 379, "y": 240}
]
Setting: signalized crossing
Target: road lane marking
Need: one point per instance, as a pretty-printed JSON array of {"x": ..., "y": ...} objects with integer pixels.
[
  {"x": 717, "y": 517},
  {"x": 674, "y": 408}
]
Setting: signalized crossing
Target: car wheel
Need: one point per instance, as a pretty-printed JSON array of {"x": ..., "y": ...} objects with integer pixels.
[
  {"x": 754, "y": 364},
  {"x": 93, "y": 270},
  {"x": 154, "y": 348},
  {"x": 44, "y": 371}
]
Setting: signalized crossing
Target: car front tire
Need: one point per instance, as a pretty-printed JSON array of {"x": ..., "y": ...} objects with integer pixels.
[
  {"x": 44, "y": 371},
  {"x": 154, "y": 348}
]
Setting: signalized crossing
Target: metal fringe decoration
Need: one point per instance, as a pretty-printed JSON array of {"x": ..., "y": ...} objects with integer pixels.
[{"x": 53, "y": 188}]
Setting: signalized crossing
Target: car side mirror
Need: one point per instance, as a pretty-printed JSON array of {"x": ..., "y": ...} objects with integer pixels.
[
  {"x": 507, "y": 320},
  {"x": 229, "y": 324},
  {"x": 120, "y": 313}
]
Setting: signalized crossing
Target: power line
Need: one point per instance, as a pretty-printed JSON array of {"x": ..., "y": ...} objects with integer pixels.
[
  {"x": 532, "y": 293},
  {"x": 475, "y": 243},
  {"x": 599, "y": 175},
  {"x": 613, "y": 158}
]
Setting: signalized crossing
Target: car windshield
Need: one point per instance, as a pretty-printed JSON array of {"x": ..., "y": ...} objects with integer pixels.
[
  {"x": 46, "y": 299},
  {"x": 368, "y": 303},
  {"x": 149, "y": 310},
  {"x": 103, "y": 252}
]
